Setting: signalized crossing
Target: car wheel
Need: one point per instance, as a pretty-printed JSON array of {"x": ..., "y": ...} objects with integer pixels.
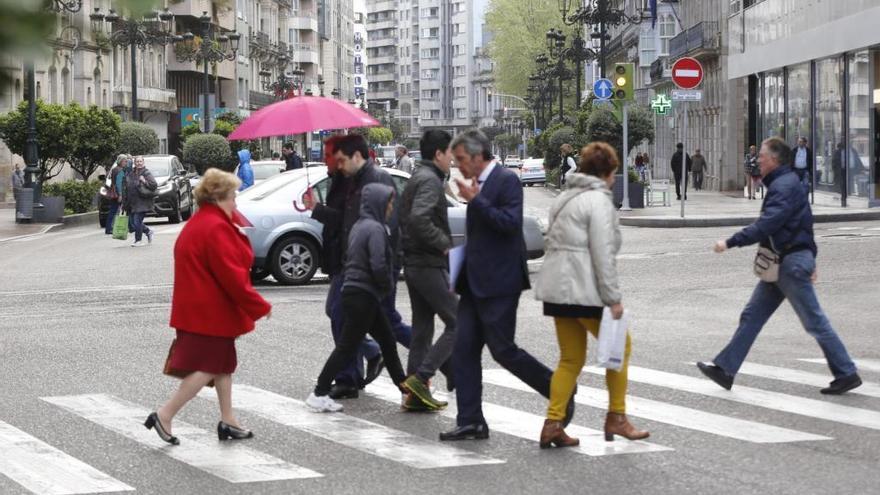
[
  {"x": 294, "y": 260},
  {"x": 259, "y": 273},
  {"x": 174, "y": 217}
]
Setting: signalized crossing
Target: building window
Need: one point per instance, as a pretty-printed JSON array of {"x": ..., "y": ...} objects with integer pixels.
[
  {"x": 829, "y": 146},
  {"x": 53, "y": 85},
  {"x": 647, "y": 47},
  {"x": 430, "y": 32},
  {"x": 667, "y": 32},
  {"x": 861, "y": 112}
]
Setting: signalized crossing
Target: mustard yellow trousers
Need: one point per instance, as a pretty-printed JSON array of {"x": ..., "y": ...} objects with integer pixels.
[{"x": 572, "y": 336}]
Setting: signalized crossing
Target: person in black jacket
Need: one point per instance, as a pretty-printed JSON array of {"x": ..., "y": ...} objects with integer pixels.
[
  {"x": 369, "y": 270},
  {"x": 426, "y": 242},
  {"x": 676, "y": 169},
  {"x": 339, "y": 213},
  {"x": 292, "y": 160},
  {"x": 785, "y": 227}
]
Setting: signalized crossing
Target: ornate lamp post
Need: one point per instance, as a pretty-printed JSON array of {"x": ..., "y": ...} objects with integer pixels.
[
  {"x": 601, "y": 14},
  {"x": 154, "y": 28},
  {"x": 335, "y": 93},
  {"x": 285, "y": 86},
  {"x": 556, "y": 48},
  {"x": 211, "y": 48}
]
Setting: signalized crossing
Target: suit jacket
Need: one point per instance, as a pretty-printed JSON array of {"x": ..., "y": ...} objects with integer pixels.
[{"x": 495, "y": 254}]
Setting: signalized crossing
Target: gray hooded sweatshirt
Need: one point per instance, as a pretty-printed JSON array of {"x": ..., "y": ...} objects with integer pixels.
[{"x": 369, "y": 261}]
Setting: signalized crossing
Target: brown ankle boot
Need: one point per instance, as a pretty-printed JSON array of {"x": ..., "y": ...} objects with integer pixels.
[
  {"x": 618, "y": 424},
  {"x": 553, "y": 434}
]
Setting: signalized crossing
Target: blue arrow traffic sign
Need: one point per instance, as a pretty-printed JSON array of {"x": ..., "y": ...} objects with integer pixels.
[{"x": 603, "y": 89}]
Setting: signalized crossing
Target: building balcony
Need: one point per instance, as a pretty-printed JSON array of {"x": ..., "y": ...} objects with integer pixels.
[
  {"x": 383, "y": 6},
  {"x": 225, "y": 69},
  {"x": 383, "y": 41},
  {"x": 259, "y": 99},
  {"x": 303, "y": 20},
  {"x": 390, "y": 23},
  {"x": 195, "y": 8},
  {"x": 384, "y": 59},
  {"x": 305, "y": 53},
  {"x": 150, "y": 99},
  {"x": 660, "y": 70},
  {"x": 388, "y": 94},
  {"x": 382, "y": 76},
  {"x": 702, "y": 40}
]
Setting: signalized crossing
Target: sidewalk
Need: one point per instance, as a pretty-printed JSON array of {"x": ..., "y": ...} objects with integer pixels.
[
  {"x": 713, "y": 209},
  {"x": 9, "y": 230}
]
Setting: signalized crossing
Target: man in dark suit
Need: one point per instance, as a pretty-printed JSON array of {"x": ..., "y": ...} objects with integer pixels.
[{"x": 493, "y": 275}]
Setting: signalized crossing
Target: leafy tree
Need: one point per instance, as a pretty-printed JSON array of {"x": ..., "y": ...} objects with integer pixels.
[
  {"x": 379, "y": 135},
  {"x": 228, "y": 122},
  {"x": 492, "y": 132},
  {"x": 53, "y": 136},
  {"x": 95, "y": 138},
  {"x": 189, "y": 130},
  {"x": 137, "y": 139},
  {"x": 208, "y": 150},
  {"x": 507, "y": 144},
  {"x": 602, "y": 125}
]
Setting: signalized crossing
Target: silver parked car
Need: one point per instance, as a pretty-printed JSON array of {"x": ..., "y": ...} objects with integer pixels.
[
  {"x": 532, "y": 171},
  {"x": 286, "y": 240}
]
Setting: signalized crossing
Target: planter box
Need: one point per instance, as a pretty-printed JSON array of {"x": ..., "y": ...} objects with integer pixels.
[
  {"x": 636, "y": 193},
  {"x": 52, "y": 210}
]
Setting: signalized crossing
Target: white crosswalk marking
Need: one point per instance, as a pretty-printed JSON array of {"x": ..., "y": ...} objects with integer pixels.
[
  {"x": 231, "y": 461},
  {"x": 862, "y": 364},
  {"x": 528, "y": 426},
  {"x": 793, "y": 404},
  {"x": 662, "y": 412},
  {"x": 45, "y": 470},
  {"x": 355, "y": 433},
  {"x": 803, "y": 377}
]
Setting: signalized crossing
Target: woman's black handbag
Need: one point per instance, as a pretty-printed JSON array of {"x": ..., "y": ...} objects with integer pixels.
[{"x": 146, "y": 193}]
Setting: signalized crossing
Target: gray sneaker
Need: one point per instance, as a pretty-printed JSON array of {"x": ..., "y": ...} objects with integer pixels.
[{"x": 149, "y": 237}]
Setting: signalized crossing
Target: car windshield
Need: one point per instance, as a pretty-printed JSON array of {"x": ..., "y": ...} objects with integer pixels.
[
  {"x": 158, "y": 166},
  {"x": 267, "y": 169}
]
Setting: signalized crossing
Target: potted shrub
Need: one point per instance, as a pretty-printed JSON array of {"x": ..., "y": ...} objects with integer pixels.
[{"x": 636, "y": 190}]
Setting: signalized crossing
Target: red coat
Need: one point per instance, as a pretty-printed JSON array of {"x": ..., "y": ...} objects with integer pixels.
[{"x": 213, "y": 294}]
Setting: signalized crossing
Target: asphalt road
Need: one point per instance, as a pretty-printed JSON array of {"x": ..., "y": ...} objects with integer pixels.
[{"x": 84, "y": 332}]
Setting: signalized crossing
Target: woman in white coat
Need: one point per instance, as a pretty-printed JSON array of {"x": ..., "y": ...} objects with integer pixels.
[{"x": 577, "y": 280}]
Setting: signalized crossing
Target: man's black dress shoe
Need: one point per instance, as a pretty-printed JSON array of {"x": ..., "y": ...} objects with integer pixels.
[
  {"x": 716, "y": 374},
  {"x": 340, "y": 391},
  {"x": 374, "y": 369},
  {"x": 473, "y": 431},
  {"x": 842, "y": 385}
]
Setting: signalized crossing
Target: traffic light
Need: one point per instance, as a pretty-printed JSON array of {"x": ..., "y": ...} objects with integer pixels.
[{"x": 623, "y": 82}]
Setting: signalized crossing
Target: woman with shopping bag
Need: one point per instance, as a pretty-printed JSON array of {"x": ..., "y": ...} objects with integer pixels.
[{"x": 577, "y": 281}]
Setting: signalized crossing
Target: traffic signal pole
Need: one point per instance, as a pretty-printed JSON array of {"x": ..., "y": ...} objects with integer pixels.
[{"x": 625, "y": 205}]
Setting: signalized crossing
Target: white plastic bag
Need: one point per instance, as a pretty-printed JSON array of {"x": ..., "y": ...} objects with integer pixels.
[{"x": 612, "y": 340}]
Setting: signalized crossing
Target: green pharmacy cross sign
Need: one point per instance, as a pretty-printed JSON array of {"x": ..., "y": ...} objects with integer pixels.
[{"x": 661, "y": 104}]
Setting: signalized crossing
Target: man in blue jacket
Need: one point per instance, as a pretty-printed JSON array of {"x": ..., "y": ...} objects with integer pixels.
[
  {"x": 493, "y": 275},
  {"x": 245, "y": 171},
  {"x": 786, "y": 227}
]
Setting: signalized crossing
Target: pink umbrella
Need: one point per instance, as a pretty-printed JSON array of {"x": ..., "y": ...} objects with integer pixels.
[{"x": 302, "y": 114}]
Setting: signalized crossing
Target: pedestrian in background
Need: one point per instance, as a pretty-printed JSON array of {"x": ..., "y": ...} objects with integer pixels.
[
  {"x": 803, "y": 161},
  {"x": 568, "y": 164},
  {"x": 291, "y": 158},
  {"x": 114, "y": 190},
  {"x": 403, "y": 162},
  {"x": 245, "y": 172},
  {"x": 785, "y": 227},
  {"x": 493, "y": 275},
  {"x": 369, "y": 268},
  {"x": 140, "y": 192},
  {"x": 698, "y": 169},
  {"x": 677, "y": 172},
  {"x": 213, "y": 304},
  {"x": 426, "y": 241},
  {"x": 577, "y": 280},
  {"x": 17, "y": 182},
  {"x": 752, "y": 171}
]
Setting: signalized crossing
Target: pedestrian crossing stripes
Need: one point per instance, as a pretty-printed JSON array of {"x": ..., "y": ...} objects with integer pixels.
[
  {"x": 528, "y": 426},
  {"x": 41, "y": 468},
  {"x": 803, "y": 377},
  {"x": 861, "y": 364},
  {"x": 355, "y": 433},
  {"x": 793, "y": 404},
  {"x": 693, "y": 419},
  {"x": 232, "y": 461}
]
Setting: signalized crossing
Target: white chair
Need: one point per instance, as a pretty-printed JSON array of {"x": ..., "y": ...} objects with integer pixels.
[{"x": 654, "y": 187}]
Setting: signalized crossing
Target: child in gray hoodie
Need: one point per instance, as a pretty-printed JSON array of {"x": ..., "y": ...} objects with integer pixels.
[{"x": 367, "y": 280}]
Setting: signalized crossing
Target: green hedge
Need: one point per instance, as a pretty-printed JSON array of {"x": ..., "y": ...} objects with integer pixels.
[
  {"x": 79, "y": 196},
  {"x": 208, "y": 150}
]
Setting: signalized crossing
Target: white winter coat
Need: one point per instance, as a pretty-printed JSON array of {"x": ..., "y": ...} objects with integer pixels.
[{"x": 580, "y": 264}]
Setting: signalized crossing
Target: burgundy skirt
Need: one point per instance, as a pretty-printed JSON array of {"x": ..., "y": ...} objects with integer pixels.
[{"x": 196, "y": 352}]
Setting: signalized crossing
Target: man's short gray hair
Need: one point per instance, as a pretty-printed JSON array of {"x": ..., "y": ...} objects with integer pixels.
[
  {"x": 474, "y": 142},
  {"x": 779, "y": 149},
  {"x": 122, "y": 156}
]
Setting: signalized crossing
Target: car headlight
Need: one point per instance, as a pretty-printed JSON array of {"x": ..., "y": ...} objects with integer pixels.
[{"x": 165, "y": 188}]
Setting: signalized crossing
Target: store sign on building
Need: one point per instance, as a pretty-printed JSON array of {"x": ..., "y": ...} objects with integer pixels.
[{"x": 661, "y": 104}]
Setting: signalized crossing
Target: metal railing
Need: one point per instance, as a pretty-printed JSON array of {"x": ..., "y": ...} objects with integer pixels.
[{"x": 703, "y": 35}]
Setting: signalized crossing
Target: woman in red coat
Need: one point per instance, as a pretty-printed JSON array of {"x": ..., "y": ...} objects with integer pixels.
[{"x": 213, "y": 303}]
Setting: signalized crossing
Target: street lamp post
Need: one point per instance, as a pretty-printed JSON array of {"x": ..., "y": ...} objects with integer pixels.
[
  {"x": 600, "y": 14},
  {"x": 556, "y": 47},
  {"x": 154, "y": 28},
  {"x": 212, "y": 48}
]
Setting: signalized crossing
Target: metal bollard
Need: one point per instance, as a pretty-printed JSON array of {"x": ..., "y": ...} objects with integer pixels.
[{"x": 24, "y": 204}]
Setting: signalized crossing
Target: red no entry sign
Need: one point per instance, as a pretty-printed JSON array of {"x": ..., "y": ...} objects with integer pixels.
[{"x": 687, "y": 73}]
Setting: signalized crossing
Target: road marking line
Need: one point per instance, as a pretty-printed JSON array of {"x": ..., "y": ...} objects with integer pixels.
[
  {"x": 527, "y": 426},
  {"x": 693, "y": 419},
  {"x": 803, "y": 378},
  {"x": 865, "y": 364},
  {"x": 358, "y": 434},
  {"x": 755, "y": 397},
  {"x": 45, "y": 470},
  {"x": 231, "y": 461}
]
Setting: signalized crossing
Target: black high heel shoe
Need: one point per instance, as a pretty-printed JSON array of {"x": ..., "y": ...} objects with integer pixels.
[
  {"x": 227, "y": 431},
  {"x": 153, "y": 422}
]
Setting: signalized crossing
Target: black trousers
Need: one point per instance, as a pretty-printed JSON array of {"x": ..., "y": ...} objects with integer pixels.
[
  {"x": 362, "y": 314},
  {"x": 678, "y": 185}
]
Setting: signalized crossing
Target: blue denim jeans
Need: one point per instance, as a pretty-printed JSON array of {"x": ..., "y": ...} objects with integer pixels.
[
  {"x": 795, "y": 285},
  {"x": 136, "y": 225}
]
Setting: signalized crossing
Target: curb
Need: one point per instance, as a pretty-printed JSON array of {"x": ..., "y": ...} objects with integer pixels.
[
  {"x": 739, "y": 221},
  {"x": 78, "y": 219},
  {"x": 48, "y": 228}
]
